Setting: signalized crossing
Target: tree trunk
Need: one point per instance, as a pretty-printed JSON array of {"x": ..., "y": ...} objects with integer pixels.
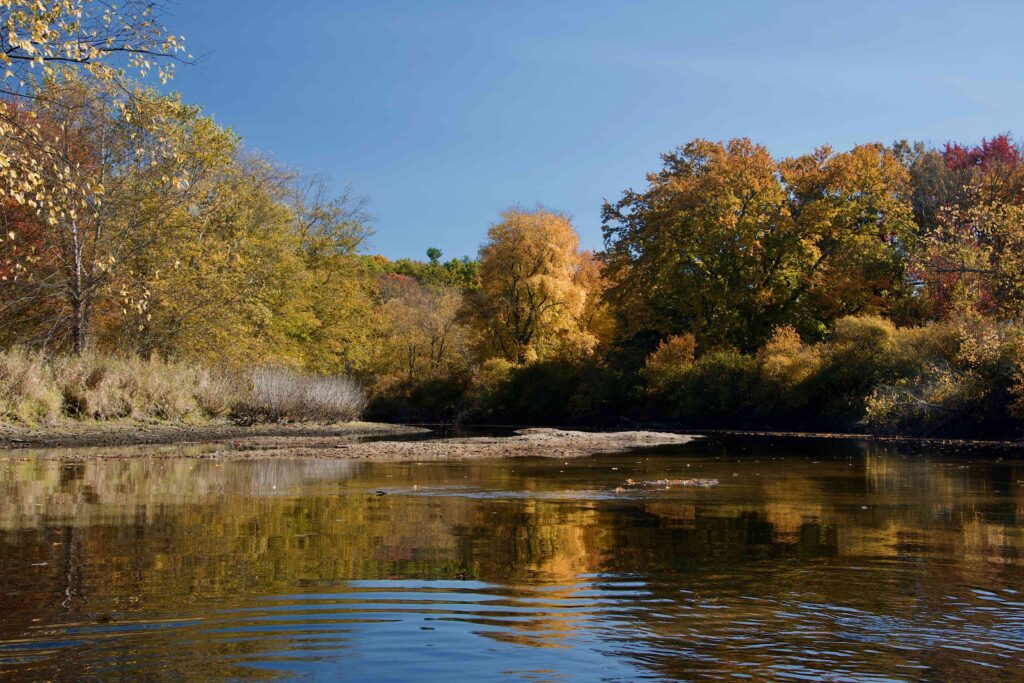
[
  {"x": 79, "y": 324},
  {"x": 76, "y": 294}
]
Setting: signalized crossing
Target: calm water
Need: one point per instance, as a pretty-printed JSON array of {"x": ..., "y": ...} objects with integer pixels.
[{"x": 837, "y": 561}]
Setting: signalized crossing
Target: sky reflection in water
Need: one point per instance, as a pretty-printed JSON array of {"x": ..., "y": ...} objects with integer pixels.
[{"x": 837, "y": 560}]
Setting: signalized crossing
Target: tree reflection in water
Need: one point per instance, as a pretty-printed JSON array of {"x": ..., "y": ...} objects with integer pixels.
[{"x": 856, "y": 561}]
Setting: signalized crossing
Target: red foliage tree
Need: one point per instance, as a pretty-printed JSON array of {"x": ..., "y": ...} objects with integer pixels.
[{"x": 1000, "y": 152}]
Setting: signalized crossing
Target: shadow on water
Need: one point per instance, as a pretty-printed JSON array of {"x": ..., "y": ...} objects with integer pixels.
[{"x": 823, "y": 560}]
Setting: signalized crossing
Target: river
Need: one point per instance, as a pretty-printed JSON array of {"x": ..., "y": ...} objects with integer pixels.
[{"x": 811, "y": 560}]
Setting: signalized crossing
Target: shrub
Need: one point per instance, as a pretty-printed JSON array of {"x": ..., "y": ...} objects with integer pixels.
[
  {"x": 669, "y": 362},
  {"x": 36, "y": 388},
  {"x": 863, "y": 331},
  {"x": 1017, "y": 393},
  {"x": 159, "y": 389},
  {"x": 280, "y": 394},
  {"x": 917, "y": 348},
  {"x": 787, "y": 364},
  {"x": 436, "y": 399},
  {"x": 720, "y": 386},
  {"x": 857, "y": 357},
  {"x": 218, "y": 392},
  {"x": 992, "y": 355},
  {"x": 923, "y": 403},
  {"x": 489, "y": 386}
]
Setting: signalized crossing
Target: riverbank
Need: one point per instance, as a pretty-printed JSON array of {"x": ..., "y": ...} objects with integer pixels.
[
  {"x": 355, "y": 441},
  {"x": 88, "y": 434},
  {"x": 905, "y": 439},
  {"x": 547, "y": 443}
]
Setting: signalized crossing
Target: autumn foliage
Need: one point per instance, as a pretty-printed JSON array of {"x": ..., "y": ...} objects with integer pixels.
[{"x": 878, "y": 287}]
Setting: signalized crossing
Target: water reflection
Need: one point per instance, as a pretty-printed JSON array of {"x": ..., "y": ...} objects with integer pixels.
[{"x": 842, "y": 560}]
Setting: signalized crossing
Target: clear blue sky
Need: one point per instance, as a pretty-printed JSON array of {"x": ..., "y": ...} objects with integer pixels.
[{"x": 445, "y": 113}]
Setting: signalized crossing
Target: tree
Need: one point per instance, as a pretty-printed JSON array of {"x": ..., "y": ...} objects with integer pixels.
[
  {"x": 709, "y": 247},
  {"x": 88, "y": 37},
  {"x": 969, "y": 259},
  {"x": 128, "y": 171},
  {"x": 343, "y": 321},
  {"x": 462, "y": 273},
  {"x": 101, "y": 37},
  {"x": 854, "y": 215},
  {"x": 597, "y": 317},
  {"x": 530, "y": 300},
  {"x": 974, "y": 261},
  {"x": 729, "y": 244},
  {"x": 224, "y": 275},
  {"x": 425, "y": 338},
  {"x": 260, "y": 268},
  {"x": 434, "y": 254}
]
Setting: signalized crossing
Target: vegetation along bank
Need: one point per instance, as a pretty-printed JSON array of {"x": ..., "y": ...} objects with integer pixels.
[{"x": 153, "y": 268}]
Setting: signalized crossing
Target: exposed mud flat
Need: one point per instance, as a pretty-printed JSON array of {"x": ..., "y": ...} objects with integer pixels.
[
  {"x": 133, "y": 432},
  {"x": 547, "y": 443},
  {"x": 353, "y": 445}
]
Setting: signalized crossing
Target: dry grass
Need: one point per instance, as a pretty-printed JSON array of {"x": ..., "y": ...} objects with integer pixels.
[
  {"x": 283, "y": 395},
  {"x": 217, "y": 393},
  {"x": 28, "y": 392},
  {"x": 109, "y": 387},
  {"x": 38, "y": 389}
]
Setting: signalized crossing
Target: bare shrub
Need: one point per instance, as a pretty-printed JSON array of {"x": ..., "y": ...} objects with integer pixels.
[
  {"x": 218, "y": 392},
  {"x": 280, "y": 394},
  {"x": 333, "y": 399}
]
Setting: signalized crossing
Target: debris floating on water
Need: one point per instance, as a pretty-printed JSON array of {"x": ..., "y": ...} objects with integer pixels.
[{"x": 668, "y": 483}]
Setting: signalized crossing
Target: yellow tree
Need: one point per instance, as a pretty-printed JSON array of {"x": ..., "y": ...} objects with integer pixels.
[
  {"x": 729, "y": 244},
  {"x": 104, "y": 40},
  {"x": 339, "y": 294},
  {"x": 425, "y": 336},
  {"x": 258, "y": 267},
  {"x": 129, "y": 168},
  {"x": 530, "y": 300},
  {"x": 853, "y": 212},
  {"x": 597, "y": 316},
  {"x": 224, "y": 277}
]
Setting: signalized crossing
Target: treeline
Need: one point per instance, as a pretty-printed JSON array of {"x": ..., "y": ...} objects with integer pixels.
[{"x": 877, "y": 288}]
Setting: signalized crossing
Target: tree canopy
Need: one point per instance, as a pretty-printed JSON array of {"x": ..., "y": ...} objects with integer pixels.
[{"x": 728, "y": 243}]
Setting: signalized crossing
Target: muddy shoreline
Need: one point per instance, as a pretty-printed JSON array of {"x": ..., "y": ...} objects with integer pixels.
[
  {"x": 135, "y": 433},
  {"x": 881, "y": 438},
  {"x": 372, "y": 440},
  {"x": 366, "y": 441}
]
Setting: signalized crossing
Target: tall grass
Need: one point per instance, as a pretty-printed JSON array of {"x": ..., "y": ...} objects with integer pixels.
[
  {"x": 110, "y": 387},
  {"x": 37, "y": 389},
  {"x": 28, "y": 391},
  {"x": 280, "y": 394}
]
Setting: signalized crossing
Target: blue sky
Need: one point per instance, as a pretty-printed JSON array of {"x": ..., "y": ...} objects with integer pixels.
[{"x": 444, "y": 113}]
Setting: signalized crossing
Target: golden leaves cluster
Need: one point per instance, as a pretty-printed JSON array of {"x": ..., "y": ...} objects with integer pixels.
[{"x": 46, "y": 40}]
